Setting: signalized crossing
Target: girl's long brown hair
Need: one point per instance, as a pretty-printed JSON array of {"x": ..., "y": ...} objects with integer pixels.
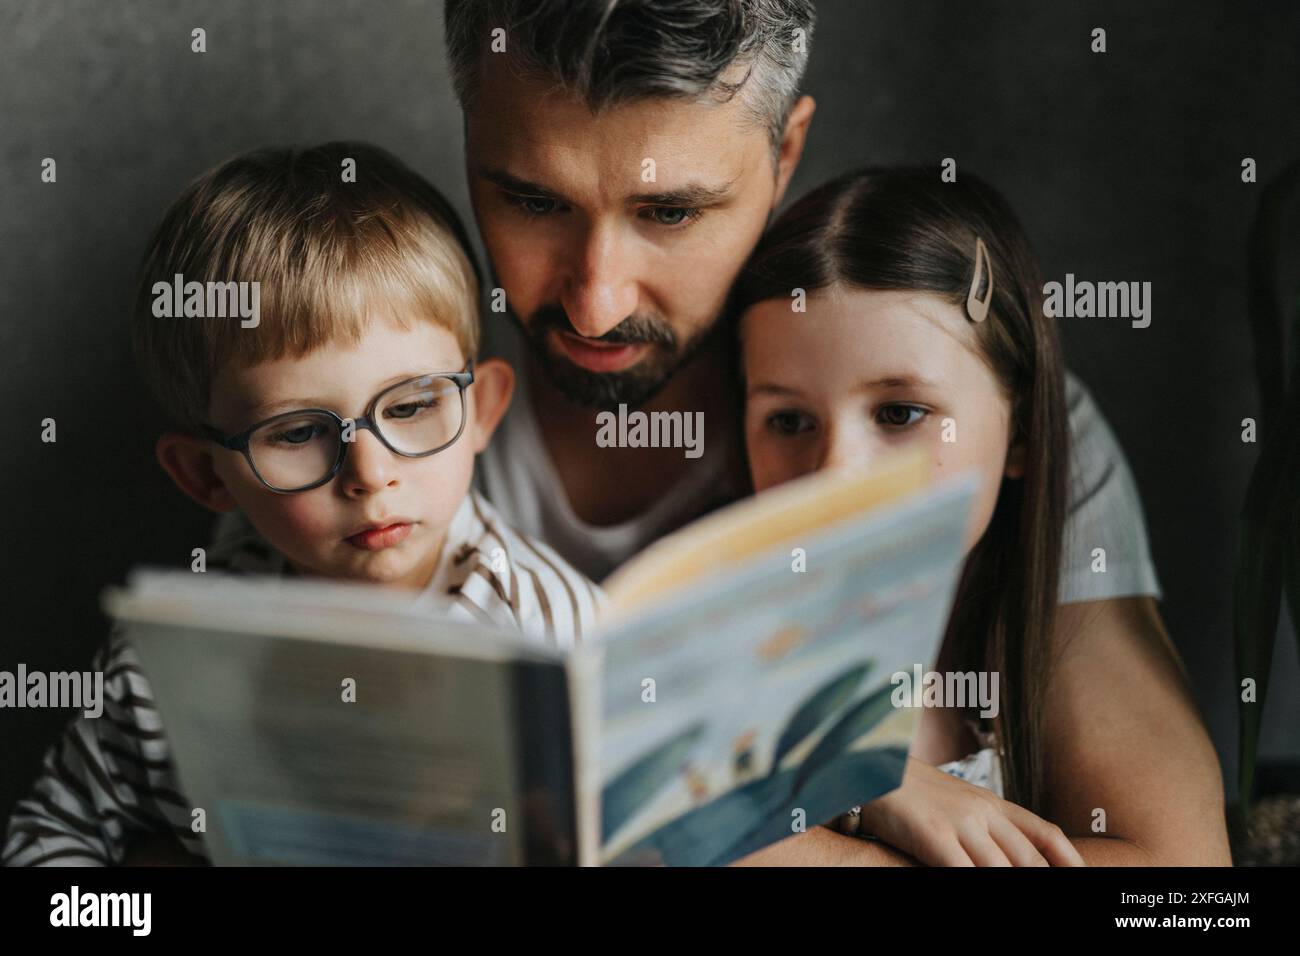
[{"x": 905, "y": 229}]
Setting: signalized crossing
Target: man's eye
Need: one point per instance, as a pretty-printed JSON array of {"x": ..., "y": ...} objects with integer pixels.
[
  {"x": 674, "y": 215},
  {"x": 900, "y": 416},
  {"x": 789, "y": 423},
  {"x": 533, "y": 205}
]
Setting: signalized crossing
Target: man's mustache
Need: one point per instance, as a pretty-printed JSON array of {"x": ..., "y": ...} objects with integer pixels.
[{"x": 634, "y": 330}]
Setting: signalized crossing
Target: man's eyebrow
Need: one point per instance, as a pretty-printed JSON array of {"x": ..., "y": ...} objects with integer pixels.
[
  {"x": 688, "y": 194},
  {"x": 516, "y": 185}
]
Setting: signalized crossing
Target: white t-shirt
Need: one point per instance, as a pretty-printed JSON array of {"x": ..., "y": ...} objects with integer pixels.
[{"x": 517, "y": 475}]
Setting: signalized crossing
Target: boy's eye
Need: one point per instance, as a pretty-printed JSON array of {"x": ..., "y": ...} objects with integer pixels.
[
  {"x": 900, "y": 416},
  {"x": 411, "y": 407},
  {"x": 298, "y": 434},
  {"x": 789, "y": 423},
  {"x": 674, "y": 215}
]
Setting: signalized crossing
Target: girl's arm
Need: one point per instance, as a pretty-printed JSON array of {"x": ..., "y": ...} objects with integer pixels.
[
  {"x": 936, "y": 819},
  {"x": 822, "y": 846},
  {"x": 1125, "y": 748}
]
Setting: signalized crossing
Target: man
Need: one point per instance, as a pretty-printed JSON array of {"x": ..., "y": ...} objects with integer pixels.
[
  {"x": 616, "y": 243},
  {"x": 623, "y": 159}
]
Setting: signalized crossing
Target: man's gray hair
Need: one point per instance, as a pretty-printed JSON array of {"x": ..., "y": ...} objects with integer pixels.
[{"x": 609, "y": 52}]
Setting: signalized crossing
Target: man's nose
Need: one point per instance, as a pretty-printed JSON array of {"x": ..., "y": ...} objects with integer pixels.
[
  {"x": 369, "y": 466},
  {"x": 601, "y": 291}
]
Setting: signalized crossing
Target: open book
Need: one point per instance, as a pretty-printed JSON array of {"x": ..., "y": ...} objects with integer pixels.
[{"x": 739, "y": 693}]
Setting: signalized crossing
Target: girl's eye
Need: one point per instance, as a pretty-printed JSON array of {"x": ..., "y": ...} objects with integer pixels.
[
  {"x": 789, "y": 423},
  {"x": 900, "y": 416},
  {"x": 674, "y": 215},
  {"x": 533, "y": 205}
]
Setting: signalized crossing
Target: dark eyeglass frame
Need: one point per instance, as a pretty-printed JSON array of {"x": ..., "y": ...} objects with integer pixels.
[{"x": 462, "y": 380}]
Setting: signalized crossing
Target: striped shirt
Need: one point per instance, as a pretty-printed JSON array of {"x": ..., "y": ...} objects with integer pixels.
[{"x": 110, "y": 779}]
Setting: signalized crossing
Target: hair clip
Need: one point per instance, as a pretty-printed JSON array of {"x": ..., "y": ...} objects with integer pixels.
[{"x": 976, "y": 308}]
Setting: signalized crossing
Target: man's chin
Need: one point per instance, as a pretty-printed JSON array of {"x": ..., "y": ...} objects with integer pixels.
[{"x": 606, "y": 390}]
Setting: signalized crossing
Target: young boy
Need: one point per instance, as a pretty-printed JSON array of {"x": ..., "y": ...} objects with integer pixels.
[{"x": 309, "y": 320}]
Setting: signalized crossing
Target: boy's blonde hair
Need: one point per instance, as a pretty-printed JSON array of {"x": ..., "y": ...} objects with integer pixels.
[{"x": 328, "y": 255}]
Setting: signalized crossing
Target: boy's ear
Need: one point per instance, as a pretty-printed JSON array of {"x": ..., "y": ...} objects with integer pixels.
[
  {"x": 188, "y": 460},
  {"x": 1015, "y": 467},
  {"x": 494, "y": 383}
]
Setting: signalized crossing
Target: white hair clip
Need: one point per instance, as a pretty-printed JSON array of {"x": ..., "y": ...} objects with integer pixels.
[{"x": 977, "y": 308}]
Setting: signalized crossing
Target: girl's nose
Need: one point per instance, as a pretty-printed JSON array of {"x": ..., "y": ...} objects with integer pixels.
[{"x": 846, "y": 447}]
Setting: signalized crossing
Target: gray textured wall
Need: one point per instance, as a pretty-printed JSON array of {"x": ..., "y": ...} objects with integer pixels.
[{"x": 1123, "y": 166}]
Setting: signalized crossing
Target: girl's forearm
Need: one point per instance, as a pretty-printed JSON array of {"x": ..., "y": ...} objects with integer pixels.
[
  {"x": 824, "y": 847},
  {"x": 1114, "y": 851}
]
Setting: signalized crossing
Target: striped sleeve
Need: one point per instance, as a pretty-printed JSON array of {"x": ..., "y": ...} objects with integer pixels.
[
  {"x": 106, "y": 780},
  {"x": 514, "y": 580}
]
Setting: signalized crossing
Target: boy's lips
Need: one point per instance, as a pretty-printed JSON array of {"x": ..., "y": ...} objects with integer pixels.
[
  {"x": 378, "y": 535},
  {"x": 598, "y": 356}
]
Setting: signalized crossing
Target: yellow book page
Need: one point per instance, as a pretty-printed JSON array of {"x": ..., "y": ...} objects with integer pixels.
[{"x": 750, "y": 527}]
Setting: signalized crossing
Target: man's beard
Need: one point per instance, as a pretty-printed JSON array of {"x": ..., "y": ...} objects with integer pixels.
[{"x": 607, "y": 390}]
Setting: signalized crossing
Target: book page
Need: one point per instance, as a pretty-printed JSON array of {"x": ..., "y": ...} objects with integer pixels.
[
  {"x": 302, "y": 746},
  {"x": 746, "y": 529},
  {"x": 758, "y": 704}
]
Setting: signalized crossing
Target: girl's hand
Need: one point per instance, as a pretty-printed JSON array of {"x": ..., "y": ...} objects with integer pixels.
[{"x": 943, "y": 821}]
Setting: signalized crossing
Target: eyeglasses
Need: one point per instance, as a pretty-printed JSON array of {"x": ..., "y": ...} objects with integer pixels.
[{"x": 303, "y": 449}]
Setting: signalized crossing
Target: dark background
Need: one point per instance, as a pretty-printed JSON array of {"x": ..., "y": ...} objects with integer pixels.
[{"x": 1124, "y": 166}]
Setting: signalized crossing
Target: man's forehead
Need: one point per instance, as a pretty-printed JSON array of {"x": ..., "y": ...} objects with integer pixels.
[{"x": 535, "y": 131}]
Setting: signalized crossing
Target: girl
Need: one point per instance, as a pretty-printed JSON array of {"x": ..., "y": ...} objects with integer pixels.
[{"x": 923, "y": 322}]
